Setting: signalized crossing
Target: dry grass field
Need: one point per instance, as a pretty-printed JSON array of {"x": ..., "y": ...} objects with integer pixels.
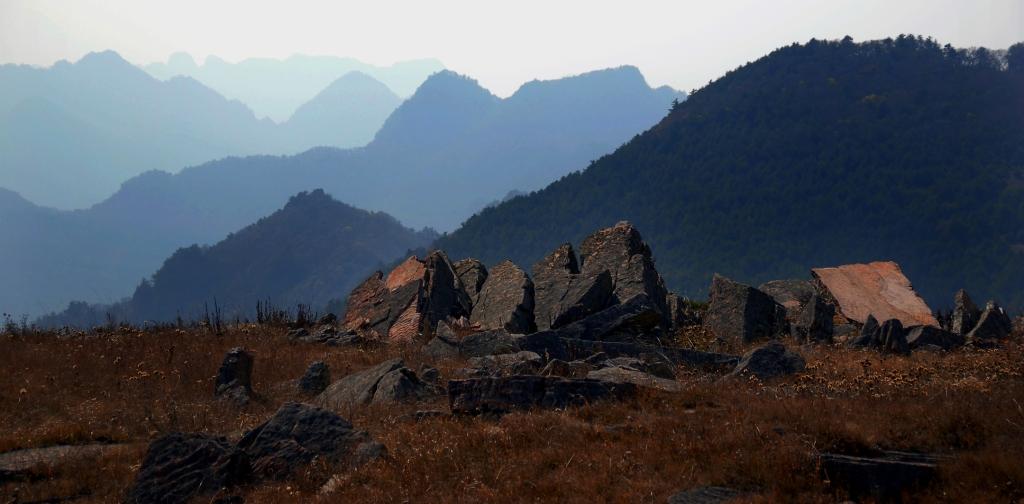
[{"x": 127, "y": 387}]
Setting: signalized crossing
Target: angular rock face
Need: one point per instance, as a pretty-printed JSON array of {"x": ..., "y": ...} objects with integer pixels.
[
  {"x": 679, "y": 314},
  {"x": 563, "y": 295},
  {"x": 316, "y": 378},
  {"x": 367, "y": 309},
  {"x": 299, "y": 433},
  {"x": 622, "y": 252},
  {"x": 506, "y": 300},
  {"x": 488, "y": 343},
  {"x": 994, "y": 324},
  {"x": 742, "y": 313},
  {"x": 472, "y": 273},
  {"x": 637, "y": 318},
  {"x": 387, "y": 382},
  {"x": 443, "y": 296},
  {"x": 502, "y": 395},
  {"x": 893, "y": 337},
  {"x": 920, "y": 336},
  {"x": 180, "y": 467},
  {"x": 869, "y": 333},
  {"x": 548, "y": 344},
  {"x": 965, "y": 314},
  {"x": 769, "y": 361},
  {"x": 409, "y": 271},
  {"x": 793, "y": 295},
  {"x": 878, "y": 289},
  {"x": 815, "y": 321},
  {"x": 507, "y": 364},
  {"x": 234, "y": 378}
]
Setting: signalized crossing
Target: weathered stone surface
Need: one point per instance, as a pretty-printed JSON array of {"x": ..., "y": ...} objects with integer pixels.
[
  {"x": 814, "y": 323},
  {"x": 793, "y": 295},
  {"x": 965, "y": 314},
  {"x": 706, "y": 495},
  {"x": 742, "y": 313},
  {"x": 506, "y": 300},
  {"x": 636, "y": 319},
  {"x": 892, "y": 337},
  {"x": 180, "y": 467},
  {"x": 299, "y": 433},
  {"x": 367, "y": 309},
  {"x": 622, "y": 252},
  {"x": 623, "y": 374},
  {"x": 441, "y": 347},
  {"x": 234, "y": 378},
  {"x": 316, "y": 378},
  {"x": 505, "y": 394},
  {"x": 885, "y": 478},
  {"x": 994, "y": 324},
  {"x": 869, "y": 334},
  {"x": 488, "y": 343},
  {"x": 551, "y": 279},
  {"x": 922, "y": 336},
  {"x": 878, "y": 289},
  {"x": 387, "y": 382},
  {"x": 650, "y": 363},
  {"x": 508, "y": 364},
  {"x": 769, "y": 361},
  {"x": 409, "y": 271},
  {"x": 680, "y": 314},
  {"x": 551, "y": 346},
  {"x": 327, "y": 335},
  {"x": 472, "y": 273},
  {"x": 574, "y": 369},
  {"x": 443, "y": 296}
]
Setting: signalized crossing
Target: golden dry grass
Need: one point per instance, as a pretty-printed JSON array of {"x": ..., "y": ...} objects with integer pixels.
[{"x": 130, "y": 387}]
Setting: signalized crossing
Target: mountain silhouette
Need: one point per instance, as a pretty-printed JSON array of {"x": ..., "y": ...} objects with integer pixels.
[
  {"x": 276, "y": 88},
  {"x": 815, "y": 155},
  {"x": 347, "y": 113},
  {"x": 478, "y": 148},
  {"x": 312, "y": 251}
]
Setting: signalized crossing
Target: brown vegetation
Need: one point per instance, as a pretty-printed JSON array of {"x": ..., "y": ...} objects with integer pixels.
[{"x": 129, "y": 386}]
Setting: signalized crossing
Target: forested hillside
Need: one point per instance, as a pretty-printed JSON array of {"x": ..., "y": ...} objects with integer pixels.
[{"x": 817, "y": 154}]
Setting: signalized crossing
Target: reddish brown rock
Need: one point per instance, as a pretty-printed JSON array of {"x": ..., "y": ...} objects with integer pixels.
[
  {"x": 411, "y": 270},
  {"x": 878, "y": 289},
  {"x": 367, "y": 309}
]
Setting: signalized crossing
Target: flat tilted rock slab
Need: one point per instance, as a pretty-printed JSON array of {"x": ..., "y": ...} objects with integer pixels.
[
  {"x": 505, "y": 394},
  {"x": 878, "y": 289}
]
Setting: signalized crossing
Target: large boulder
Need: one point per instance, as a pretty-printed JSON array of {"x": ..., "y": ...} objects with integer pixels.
[
  {"x": 965, "y": 314},
  {"x": 563, "y": 295},
  {"x": 636, "y": 319},
  {"x": 622, "y": 252},
  {"x": 505, "y": 394},
  {"x": 299, "y": 433},
  {"x": 506, "y": 300},
  {"x": 316, "y": 378},
  {"x": 869, "y": 334},
  {"x": 742, "y": 313},
  {"x": 680, "y": 314},
  {"x": 814, "y": 323},
  {"x": 994, "y": 324},
  {"x": 179, "y": 467},
  {"x": 892, "y": 337},
  {"x": 768, "y": 361},
  {"x": 368, "y": 310},
  {"x": 443, "y": 296},
  {"x": 879, "y": 289},
  {"x": 506, "y": 364},
  {"x": 793, "y": 295},
  {"x": 472, "y": 273},
  {"x": 630, "y": 375},
  {"x": 387, "y": 382},
  {"x": 234, "y": 378},
  {"x": 920, "y": 336}
]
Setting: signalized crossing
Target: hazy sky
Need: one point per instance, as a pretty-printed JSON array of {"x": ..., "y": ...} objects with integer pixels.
[{"x": 500, "y": 43}]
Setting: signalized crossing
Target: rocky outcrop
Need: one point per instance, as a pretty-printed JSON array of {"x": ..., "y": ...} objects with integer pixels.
[
  {"x": 506, "y": 364},
  {"x": 679, "y": 313},
  {"x": 622, "y": 252},
  {"x": 563, "y": 295},
  {"x": 316, "y": 378},
  {"x": 297, "y": 434},
  {"x": 488, "y": 343},
  {"x": 387, "y": 382},
  {"x": 869, "y": 334},
  {"x": 368, "y": 309},
  {"x": 472, "y": 273},
  {"x": 771, "y": 360},
  {"x": 636, "y": 319},
  {"x": 625, "y": 374},
  {"x": 994, "y": 324},
  {"x": 921, "y": 336},
  {"x": 442, "y": 297},
  {"x": 180, "y": 467},
  {"x": 793, "y": 295},
  {"x": 506, "y": 394},
  {"x": 892, "y": 337},
  {"x": 506, "y": 300},
  {"x": 965, "y": 314},
  {"x": 878, "y": 289},
  {"x": 742, "y": 313},
  {"x": 234, "y": 378},
  {"x": 814, "y": 323},
  {"x": 551, "y": 346}
]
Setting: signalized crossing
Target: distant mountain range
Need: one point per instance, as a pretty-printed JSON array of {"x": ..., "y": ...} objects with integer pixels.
[
  {"x": 72, "y": 133},
  {"x": 312, "y": 251},
  {"x": 275, "y": 88},
  {"x": 815, "y": 155},
  {"x": 446, "y": 152}
]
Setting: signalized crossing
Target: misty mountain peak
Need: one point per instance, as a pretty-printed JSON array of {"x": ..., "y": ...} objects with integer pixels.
[{"x": 103, "y": 59}]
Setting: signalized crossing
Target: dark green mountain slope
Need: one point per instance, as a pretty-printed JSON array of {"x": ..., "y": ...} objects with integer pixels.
[
  {"x": 313, "y": 250},
  {"x": 817, "y": 154}
]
